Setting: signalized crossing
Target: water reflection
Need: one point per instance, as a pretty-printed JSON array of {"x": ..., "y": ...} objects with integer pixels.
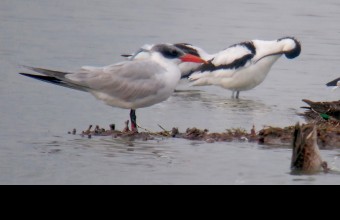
[
  {"x": 111, "y": 146},
  {"x": 213, "y": 100},
  {"x": 108, "y": 147}
]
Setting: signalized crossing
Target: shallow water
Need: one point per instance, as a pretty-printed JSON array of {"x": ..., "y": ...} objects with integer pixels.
[{"x": 35, "y": 117}]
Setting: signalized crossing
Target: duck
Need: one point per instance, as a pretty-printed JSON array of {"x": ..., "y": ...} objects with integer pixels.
[
  {"x": 326, "y": 110},
  {"x": 306, "y": 155},
  {"x": 245, "y": 65}
]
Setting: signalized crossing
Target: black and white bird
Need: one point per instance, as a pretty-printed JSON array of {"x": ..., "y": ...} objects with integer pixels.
[
  {"x": 334, "y": 83},
  {"x": 245, "y": 65},
  {"x": 130, "y": 84},
  {"x": 188, "y": 68}
]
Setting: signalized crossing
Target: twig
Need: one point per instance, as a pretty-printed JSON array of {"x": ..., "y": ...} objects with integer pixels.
[
  {"x": 147, "y": 130},
  {"x": 167, "y": 132}
]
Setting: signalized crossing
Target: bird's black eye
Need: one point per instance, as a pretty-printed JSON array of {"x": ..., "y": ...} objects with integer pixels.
[
  {"x": 168, "y": 51},
  {"x": 171, "y": 54}
]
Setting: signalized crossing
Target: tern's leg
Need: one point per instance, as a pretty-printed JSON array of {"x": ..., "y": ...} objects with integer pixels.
[
  {"x": 232, "y": 94},
  {"x": 133, "y": 120}
]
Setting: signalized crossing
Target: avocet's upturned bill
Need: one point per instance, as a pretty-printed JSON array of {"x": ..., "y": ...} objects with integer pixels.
[
  {"x": 131, "y": 84},
  {"x": 245, "y": 65}
]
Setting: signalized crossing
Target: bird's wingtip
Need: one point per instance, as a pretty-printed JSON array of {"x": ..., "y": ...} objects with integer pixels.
[
  {"x": 26, "y": 74},
  {"x": 31, "y": 75}
]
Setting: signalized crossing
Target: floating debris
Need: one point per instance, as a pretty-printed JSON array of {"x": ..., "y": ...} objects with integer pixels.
[
  {"x": 74, "y": 131},
  {"x": 235, "y": 134},
  {"x": 328, "y": 134},
  {"x": 112, "y": 127},
  {"x": 275, "y": 135}
]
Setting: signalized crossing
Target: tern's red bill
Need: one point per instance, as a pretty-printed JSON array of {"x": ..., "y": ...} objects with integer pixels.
[{"x": 192, "y": 58}]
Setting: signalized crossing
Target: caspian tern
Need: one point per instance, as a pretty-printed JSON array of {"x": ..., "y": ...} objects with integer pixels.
[
  {"x": 186, "y": 68},
  {"x": 130, "y": 84},
  {"x": 334, "y": 83},
  {"x": 244, "y": 66}
]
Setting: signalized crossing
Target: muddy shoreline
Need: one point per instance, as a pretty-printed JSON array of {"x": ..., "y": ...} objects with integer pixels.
[
  {"x": 324, "y": 115},
  {"x": 328, "y": 135}
]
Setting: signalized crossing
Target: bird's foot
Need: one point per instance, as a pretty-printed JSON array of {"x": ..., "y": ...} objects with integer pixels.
[{"x": 134, "y": 127}]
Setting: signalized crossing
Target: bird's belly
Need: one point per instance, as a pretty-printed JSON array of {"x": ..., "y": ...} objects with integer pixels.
[
  {"x": 134, "y": 103},
  {"x": 246, "y": 79},
  {"x": 151, "y": 100}
]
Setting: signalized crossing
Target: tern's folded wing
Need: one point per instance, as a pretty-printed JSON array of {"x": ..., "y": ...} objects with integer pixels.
[{"x": 127, "y": 80}]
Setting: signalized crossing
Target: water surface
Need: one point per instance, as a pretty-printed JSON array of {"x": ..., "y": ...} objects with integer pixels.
[{"x": 35, "y": 117}]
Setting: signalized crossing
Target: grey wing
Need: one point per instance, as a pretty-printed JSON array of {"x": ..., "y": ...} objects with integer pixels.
[{"x": 128, "y": 80}]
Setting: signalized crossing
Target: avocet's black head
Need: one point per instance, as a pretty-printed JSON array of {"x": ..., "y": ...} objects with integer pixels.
[{"x": 292, "y": 48}]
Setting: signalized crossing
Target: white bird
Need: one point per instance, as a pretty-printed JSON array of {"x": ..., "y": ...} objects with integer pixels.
[
  {"x": 334, "y": 83},
  {"x": 186, "y": 68},
  {"x": 244, "y": 66},
  {"x": 131, "y": 84}
]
